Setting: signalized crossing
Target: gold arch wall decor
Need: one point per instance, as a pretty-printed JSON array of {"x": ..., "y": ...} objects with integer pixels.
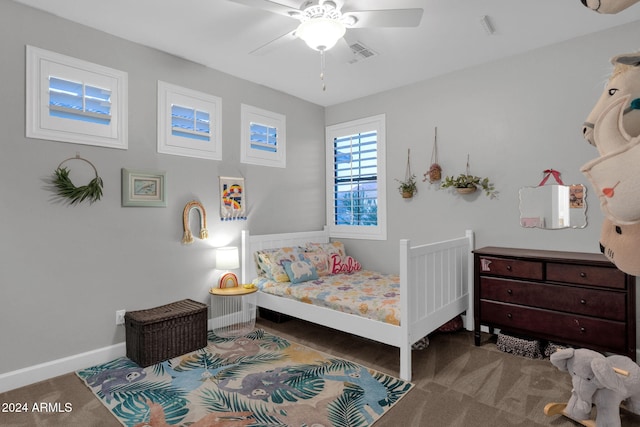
[
  {"x": 67, "y": 189},
  {"x": 187, "y": 237}
]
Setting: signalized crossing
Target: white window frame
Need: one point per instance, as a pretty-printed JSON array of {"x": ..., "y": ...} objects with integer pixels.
[
  {"x": 378, "y": 232},
  {"x": 42, "y": 64},
  {"x": 249, "y": 115},
  {"x": 169, "y": 95}
]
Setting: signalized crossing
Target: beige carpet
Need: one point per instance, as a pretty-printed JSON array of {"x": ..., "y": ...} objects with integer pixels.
[{"x": 456, "y": 384}]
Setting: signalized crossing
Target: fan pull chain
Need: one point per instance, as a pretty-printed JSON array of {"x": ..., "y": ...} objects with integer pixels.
[{"x": 324, "y": 87}]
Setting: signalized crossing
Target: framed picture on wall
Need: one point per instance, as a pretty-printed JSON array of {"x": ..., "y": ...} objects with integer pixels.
[
  {"x": 144, "y": 188},
  {"x": 233, "y": 199}
]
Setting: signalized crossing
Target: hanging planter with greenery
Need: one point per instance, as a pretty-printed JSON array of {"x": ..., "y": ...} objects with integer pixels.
[
  {"x": 408, "y": 187},
  {"x": 465, "y": 183},
  {"x": 434, "y": 174}
]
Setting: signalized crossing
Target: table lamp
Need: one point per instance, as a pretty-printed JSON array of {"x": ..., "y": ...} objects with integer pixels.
[{"x": 227, "y": 259}]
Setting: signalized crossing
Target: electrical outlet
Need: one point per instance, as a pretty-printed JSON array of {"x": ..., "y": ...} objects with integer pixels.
[{"x": 120, "y": 317}]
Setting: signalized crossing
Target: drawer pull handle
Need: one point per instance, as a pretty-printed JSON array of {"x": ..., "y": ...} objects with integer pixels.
[
  {"x": 509, "y": 315},
  {"x": 583, "y": 274},
  {"x": 509, "y": 291},
  {"x": 582, "y": 330},
  {"x": 508, "y": 268},
  {"x": 583, "y": 301}
]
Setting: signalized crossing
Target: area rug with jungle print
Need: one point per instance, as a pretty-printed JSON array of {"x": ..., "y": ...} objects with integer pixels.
[{"x": 255, "y": 380}]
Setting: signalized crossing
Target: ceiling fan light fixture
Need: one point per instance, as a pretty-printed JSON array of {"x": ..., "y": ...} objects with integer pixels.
[{"x": 321, "y": 33}]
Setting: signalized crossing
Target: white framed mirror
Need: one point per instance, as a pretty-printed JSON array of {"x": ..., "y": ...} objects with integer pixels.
[{"x": 553, "y": 207}]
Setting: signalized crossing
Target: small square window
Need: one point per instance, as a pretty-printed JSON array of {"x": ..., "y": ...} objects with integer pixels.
[
  {"x": 188, "y": 122},
  {"x": 263, "y": 137},
  {"x": 71, "y": 100}
]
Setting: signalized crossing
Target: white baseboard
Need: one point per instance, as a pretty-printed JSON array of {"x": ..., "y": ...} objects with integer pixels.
[
  {"x": 54, "y": 368},
  {"x": 43, "y": 371}
]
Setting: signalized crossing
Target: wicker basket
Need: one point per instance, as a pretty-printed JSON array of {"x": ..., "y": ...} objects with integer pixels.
[
  {"x": 466, "y": 190},
  {"x": 165, "y": 332}
]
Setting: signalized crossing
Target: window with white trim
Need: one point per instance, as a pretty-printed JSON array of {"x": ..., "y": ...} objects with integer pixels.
[
  {"x": 356, "y": 179},
  {"x": 71, "y": 100},
  {"x": 263, "y": 137},
  {"x": 189, "y": 122}
]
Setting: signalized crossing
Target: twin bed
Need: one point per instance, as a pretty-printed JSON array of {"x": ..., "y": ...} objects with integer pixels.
[{"x": 433, "y": 287}]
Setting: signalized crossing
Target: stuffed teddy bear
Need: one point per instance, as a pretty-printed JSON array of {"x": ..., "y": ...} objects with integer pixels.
[
  {"x": 608, "y": 6},
  {"x": 605, "y": 381},
  {"x": 614, "y": 128}
]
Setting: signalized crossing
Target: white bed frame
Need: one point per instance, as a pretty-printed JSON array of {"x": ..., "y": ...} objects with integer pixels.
[{"x": 436, "y": 285}]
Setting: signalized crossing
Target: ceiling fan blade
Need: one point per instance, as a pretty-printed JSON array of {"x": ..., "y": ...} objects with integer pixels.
[
  {"x": 270, "y": 6},
  {"x": 386, "y": 18},
  {"x": 274, "y": 44}
]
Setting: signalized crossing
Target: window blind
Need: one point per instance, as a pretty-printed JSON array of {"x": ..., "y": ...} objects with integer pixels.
[
  {"x": 263, "y": 137},
  {"x": 356, "y": 179},
  {"x": 191, "y": 123},
  {"x": 79, "y": 101}
]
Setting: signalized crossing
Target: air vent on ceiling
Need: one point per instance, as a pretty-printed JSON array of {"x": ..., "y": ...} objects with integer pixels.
[{"x": 360, "y": 52}]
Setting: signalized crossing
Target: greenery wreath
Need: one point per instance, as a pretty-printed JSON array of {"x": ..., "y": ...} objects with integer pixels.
[{"x": 66, "y": 188}]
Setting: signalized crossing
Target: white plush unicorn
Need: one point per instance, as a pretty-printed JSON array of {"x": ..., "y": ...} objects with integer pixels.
[
  {"x": 608, "y": 6},
  {"x": 614, "y": 128}
]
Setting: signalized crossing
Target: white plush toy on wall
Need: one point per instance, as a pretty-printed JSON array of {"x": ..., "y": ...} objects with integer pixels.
[
  {"x": 608, "y": 6},
  {"x": 613, "y": 127}
]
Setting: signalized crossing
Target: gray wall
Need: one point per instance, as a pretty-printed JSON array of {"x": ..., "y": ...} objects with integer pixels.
[
  {"x": 66, "y": 270},
  {"x": 515, "y": 117}
]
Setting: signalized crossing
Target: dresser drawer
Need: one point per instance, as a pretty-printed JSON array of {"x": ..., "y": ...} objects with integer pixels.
[
  {"x": 564, "y": 327},
  {"x": 511, "y": 267},
  {"x": 586, "y": 275},
  {"x": 584, "y": 301}
]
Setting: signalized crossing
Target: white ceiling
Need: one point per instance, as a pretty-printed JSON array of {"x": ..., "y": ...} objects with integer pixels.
[{"x": 221, "y": 34}]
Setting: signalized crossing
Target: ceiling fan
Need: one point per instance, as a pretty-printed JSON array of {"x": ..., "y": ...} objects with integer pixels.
[{"x": 322, "y": 23}]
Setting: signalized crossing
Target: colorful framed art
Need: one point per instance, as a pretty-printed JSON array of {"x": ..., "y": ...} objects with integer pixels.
[{"x": 233, "y": 199}]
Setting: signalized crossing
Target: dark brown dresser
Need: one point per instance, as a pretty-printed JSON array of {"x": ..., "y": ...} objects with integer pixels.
[{"x": 574, "y": 298}]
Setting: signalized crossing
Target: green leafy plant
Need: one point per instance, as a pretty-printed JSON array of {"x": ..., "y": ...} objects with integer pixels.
[
  {"x": 408, "y": 186},
  {"x": 470, "y": 181},
  {"x": 66, "y": 188}
]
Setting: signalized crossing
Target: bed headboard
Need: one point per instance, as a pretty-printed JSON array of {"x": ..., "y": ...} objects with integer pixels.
[{"x": 251, "y": 244}]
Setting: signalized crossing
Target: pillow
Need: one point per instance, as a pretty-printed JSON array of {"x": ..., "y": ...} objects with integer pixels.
[
  {"x": 300, "y": 271},
  {"x": 261, "y": 268},
  {"x": 329, "y": 248},
  {"x": 345, "y": 264},
  {"x": 271, "y": 260},
  {"x": 320, "y": 261}
]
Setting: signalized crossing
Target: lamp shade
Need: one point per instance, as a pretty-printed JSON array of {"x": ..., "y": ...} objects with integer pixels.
[
  {"x": 321, "y": 33},
  {"x": 227, "y": 258}
]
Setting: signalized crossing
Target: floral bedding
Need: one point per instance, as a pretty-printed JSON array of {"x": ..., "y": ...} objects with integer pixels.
[{"x": 364, "y": 293}]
